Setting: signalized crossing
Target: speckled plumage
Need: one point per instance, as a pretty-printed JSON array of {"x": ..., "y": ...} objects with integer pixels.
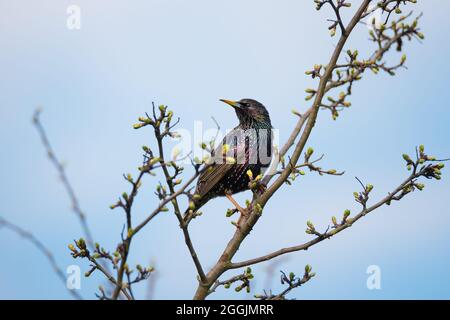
[{"x": 250, "y": 145}]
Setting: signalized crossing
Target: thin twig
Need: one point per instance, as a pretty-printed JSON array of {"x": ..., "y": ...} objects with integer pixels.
[
  {"x": 305, "y": 246},
  {"x": 41, "y": 247},
  {"x": 64, "y": 179}
]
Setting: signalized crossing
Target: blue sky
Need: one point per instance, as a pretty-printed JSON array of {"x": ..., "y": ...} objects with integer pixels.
[{"x": 95, "y": 82}]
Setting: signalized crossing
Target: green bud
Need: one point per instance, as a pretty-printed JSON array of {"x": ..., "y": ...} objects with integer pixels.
[
  {"x": 333, "y": 32},
  {"x": 258, "y": 208},
  {"x": 308, "y": 268},
  {"x": 334, "y": 220},
  {"x": 403, "y": 59},
  {"x": 229, "y": 213},
  {"x": 230, "y": 160},
  {"x": 295, "y": 112},
  {"x": 154, "y": 160},
  {"x": 81, "y": 243}
]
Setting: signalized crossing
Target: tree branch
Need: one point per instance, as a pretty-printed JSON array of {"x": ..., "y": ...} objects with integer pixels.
[
  {"x": 241, "y": 233},
  {"x": 42, "y": 248},
  {"x": 408, "y": 185},
  {"x": 183, "y": 225},
  {"x": 64, "y": 179}
]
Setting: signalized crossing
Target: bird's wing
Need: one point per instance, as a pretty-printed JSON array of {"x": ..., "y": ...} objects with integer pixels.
[
  {"x": 211, "y": 177},
  {"x": 216, "y": 172}
]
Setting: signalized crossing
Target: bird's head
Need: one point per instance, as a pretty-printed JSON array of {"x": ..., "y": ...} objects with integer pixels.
[{"x": 250, "y": 112}]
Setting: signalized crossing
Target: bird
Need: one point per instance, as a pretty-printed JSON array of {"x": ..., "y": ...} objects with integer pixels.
[{"x": 248, "y": 145}]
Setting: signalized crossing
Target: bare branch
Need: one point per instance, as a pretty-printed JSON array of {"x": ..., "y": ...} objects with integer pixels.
[
  {"x": 183, "y": 225},
  {"x": 80, "y": 250},
  {"x": 429, "y": 171},
  {"x": 244, "y": 278},
  {"x": 292, "y": 282},
  {"x": 42, "y": 248},
  {"x": 64, "y": 179}
]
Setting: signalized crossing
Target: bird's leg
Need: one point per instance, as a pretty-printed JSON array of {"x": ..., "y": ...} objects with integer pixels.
[
  {"x": 244, "y": 212},
  {"x": 234, "y": 202}
]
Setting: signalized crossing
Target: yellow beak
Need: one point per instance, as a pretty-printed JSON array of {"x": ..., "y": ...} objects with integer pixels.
[{"x": 232, "y": 103}]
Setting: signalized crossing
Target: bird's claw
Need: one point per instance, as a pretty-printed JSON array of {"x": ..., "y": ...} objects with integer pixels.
[{"x": 261, "y": 188}]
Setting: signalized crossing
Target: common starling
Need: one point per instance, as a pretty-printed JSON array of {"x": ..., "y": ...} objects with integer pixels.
[{"x": 246, "y": 147}]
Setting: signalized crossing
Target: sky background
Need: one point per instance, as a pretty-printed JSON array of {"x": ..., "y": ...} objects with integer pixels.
[{"x": 94, "y": 83}]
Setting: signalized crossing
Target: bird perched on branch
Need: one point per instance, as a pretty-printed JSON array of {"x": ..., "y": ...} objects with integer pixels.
[{"x": 244, "y": 153}]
